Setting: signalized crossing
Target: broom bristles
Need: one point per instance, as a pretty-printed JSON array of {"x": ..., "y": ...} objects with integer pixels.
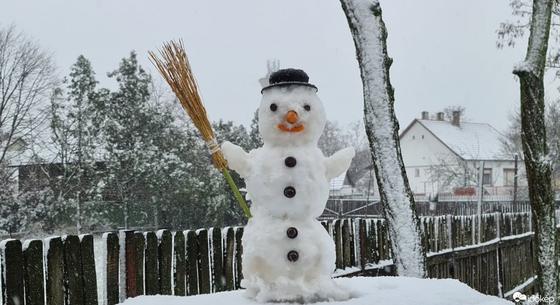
[{"x": 175, "y": 68}]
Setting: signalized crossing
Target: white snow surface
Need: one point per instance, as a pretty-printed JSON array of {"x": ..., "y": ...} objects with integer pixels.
[
  {"x": 365, "y": 291},
  {"x": 471, "y": 141}
]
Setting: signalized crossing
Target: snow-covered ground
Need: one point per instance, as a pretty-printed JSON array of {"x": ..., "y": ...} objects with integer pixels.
[{"x": 366, "y": 291}]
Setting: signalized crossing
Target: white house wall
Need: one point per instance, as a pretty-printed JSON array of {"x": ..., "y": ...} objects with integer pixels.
[{"x": 422, "y": 151}]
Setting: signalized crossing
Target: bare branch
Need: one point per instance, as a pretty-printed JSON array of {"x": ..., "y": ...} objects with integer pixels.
[{"x": 26, "y": 78}]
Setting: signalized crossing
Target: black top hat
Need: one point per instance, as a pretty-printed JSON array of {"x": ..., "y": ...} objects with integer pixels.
[{"x": 287, "y": 77}]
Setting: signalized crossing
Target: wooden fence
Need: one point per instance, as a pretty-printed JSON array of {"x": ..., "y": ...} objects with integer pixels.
[{"x": 63, "y": 270}]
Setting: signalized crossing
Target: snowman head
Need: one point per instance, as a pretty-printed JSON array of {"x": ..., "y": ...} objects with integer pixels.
[{"x": 290, "y": 113}]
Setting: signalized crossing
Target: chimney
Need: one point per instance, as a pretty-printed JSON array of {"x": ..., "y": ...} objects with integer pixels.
[
  {"x": 425, "y": 115},
  {"x": 440, "y": 116},
  {"x": 456, "y": 120}
]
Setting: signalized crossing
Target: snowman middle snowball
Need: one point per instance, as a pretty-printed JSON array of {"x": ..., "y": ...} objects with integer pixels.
[{"x": 287, "y": 254}]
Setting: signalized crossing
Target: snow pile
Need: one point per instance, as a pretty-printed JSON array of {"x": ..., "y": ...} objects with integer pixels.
[{"x": 366, "y": 291}]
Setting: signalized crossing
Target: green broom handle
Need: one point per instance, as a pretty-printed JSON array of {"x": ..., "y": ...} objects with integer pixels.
[{"x": 236, "y": 193}]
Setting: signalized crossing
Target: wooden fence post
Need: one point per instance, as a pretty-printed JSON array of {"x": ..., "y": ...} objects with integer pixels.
[
  {"x": 180, "y": 266},
  {"x": 218, "y": 279},
  {"x": 139, "y": 245},
  {"x": 74, "y": 292},
  {"x": 373, "y": 235},
  {"x": 33, "y": 273},
  {"x": 89, "y": 276},
  {"x": 55, "y": 270},
  {"x": 229, "y": 259},
  {"x": 337, "y": 235},
  {"x": 353, "y": 243},
  {"x": 238, "y": 257},
  {"x": 498, "y": 261},
  {"x": 363, "y": 243},
  {"x": 151, "y": 274},
  {"x": 112, "y": 272},
  {"x": 130, "y": 264},
  {"x": 192, "y": 263},
  {"x": 12, "y": 258},
  {"x": 450, "y": 232},
  {"x": 204, "y": 275},
  {"x": 164, "y": 257},
  {"x": 346, "y": 249}
]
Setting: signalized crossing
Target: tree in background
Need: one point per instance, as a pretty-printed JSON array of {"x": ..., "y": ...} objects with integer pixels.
[
  {"x": 513, "y": 145},
  {"x": 331, "y": 139},
  {"x": 26, "y": 81},
  {"x": 256, "y": 140},
  {"x": 75, "y": 136},
  {"x": 382, "y": 128},
  {"x": 535, "y": 148},
  {"x": 449, "y": 110},
  {"x": 27, "y": 208},
  {"x": 510, "y": 31},
  {"x": 141, "y": 154}
]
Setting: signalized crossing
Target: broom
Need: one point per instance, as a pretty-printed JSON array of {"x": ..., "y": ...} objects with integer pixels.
[{"x": 175, "y": 68}]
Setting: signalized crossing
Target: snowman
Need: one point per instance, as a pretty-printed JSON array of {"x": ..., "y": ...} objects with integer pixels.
[{"x": 287, "y": 254}]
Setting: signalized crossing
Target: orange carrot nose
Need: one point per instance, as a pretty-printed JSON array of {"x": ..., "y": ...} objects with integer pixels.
[{"x": 292, "y": 117}]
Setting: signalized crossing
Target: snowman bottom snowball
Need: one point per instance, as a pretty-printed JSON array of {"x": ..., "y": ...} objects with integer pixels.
[{"x": 289, "y": 261}]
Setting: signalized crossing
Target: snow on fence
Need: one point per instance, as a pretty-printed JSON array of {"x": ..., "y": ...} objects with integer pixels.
[{"x": 64, "y": 270}]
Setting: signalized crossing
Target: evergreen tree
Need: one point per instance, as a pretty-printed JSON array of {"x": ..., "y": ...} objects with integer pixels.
[
  {"x": 75, "y": 135},
  {"x": 255, "y": 136},
  {"x": 224, "y": 209},
  {"x": 146, "y": 166}
]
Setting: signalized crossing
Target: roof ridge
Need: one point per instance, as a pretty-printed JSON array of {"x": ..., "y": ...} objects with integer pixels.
[{"x": 462, "y": 122}]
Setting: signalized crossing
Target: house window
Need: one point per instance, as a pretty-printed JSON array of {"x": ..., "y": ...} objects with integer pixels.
[
  {"x": 417, "y": 172},
  {"x": 509, "y": 176},
  {"x": 487, "y": 176},
  {"x": 413, "y": 137},
  {"x": 422, "y": 137}
]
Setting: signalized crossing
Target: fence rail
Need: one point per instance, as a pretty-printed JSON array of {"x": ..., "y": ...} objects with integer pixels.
[
  {"x": 344, "y": 208},
  {"x": 70, "y": 270}
]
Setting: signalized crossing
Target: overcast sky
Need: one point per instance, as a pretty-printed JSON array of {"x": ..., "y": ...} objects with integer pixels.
[{"x": 444, "y": 51}]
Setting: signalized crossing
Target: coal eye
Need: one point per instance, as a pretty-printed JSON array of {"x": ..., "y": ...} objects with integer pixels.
[
  {"x": 273, "y": 107},
  {"x": 307, "y": 107}
]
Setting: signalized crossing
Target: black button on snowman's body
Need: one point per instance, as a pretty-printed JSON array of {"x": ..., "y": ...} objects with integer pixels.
[
  {"x": 287, "y": 180},
  {"x": 291, "y": 232},
  {"x": 290, "y": 161}
]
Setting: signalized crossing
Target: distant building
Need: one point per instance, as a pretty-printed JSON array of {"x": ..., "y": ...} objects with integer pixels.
[{"x": 443, "y": 156}]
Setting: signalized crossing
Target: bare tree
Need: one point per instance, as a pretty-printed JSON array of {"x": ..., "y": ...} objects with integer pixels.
[
  {"x": 382, "y": 128},
  {"x": 332, "y": 139},
  {"x": 510, "y": 31},
  {"x": 451, "y": 172},
  {"x": 513, "y": 145},
  {"x": 449, "y": 110},
  {"x": 26, "y": 79},
  {"x": 535, "y": 147}
]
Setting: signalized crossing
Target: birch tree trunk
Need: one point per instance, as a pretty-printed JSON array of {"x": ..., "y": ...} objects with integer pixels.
[
  {"x": 535, "y": 149},
  {"x": 382, "y": 128}
]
